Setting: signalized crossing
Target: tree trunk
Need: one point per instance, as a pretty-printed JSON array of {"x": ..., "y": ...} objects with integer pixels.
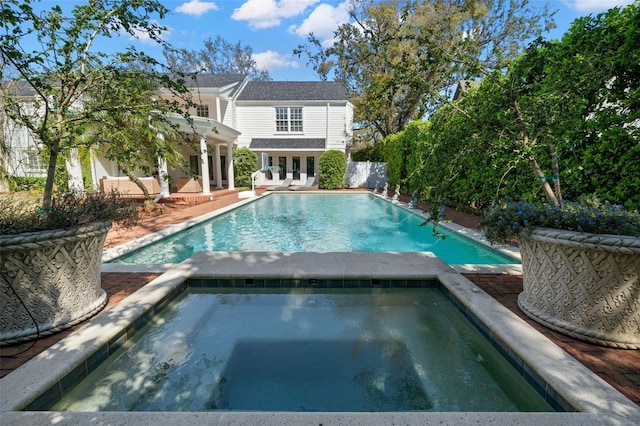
[
  {"x": 51, "y": 174},
  {"x": 133, "y": 178},
  {"x": 543, "y": 181}
]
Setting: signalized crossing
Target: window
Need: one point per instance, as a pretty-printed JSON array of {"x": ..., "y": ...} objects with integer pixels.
[
  {"x": 296, "y": 167},
  {"x": 282, "y": 162},
  {"x": 33, "y": 162},
  {"x": 194, "y": 165},
  {"x": 288, "y": 119},
  {"x": 202, "y": 110},
  {"x": 311, "y": 169},
  {"x": 269, "y": 174}
]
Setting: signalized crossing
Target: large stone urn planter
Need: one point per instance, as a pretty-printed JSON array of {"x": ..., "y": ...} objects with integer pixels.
[
  {"x": 50, "y": 280},
  {"x": 583, "y": 285}
]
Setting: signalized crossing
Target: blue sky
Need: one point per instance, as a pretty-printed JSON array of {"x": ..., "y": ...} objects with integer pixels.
[{"x": 273, "y": 28}]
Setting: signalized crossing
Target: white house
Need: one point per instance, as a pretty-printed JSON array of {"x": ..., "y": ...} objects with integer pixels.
[{"x": 290, "y": 124}]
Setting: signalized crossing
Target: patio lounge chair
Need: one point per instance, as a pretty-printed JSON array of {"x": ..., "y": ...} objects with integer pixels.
[
  {"x": 312, "y": 183},
  {"x": 282, "y": 187}
]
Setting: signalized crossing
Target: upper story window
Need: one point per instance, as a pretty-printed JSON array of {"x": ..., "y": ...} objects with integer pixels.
[
  {"x": 202, "y": 110},
  {"x": 288, "y": 119}
]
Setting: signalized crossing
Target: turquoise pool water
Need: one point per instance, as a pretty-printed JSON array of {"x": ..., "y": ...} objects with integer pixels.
[
  {"x": 306, "y": 350},
  {"x": 316, "y": 223}
]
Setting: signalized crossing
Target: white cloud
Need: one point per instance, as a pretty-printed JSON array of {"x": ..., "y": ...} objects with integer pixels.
[
  {"x": 323, "y": 21},
  {"x": 271, "y": 60},
  {"x": 596, "y": 5},
  {"x": 196, "y": 7},
  {"x": 269, "y": 13}
]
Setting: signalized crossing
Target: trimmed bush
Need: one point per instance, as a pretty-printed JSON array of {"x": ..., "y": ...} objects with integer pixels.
[
  {"x": 333, "y": 169},
  {"x": 245, "y": 162}
]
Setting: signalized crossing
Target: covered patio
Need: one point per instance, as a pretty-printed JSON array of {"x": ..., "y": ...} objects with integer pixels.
[{"x": 209, "y": 157}]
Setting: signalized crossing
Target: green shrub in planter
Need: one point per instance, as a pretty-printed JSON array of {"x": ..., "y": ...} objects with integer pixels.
[
  {"x": 21, "y": 213},
  {"x": 509, "y": 220}
]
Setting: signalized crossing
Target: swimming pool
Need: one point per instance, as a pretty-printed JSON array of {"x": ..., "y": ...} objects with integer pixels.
[
  {"x": 307, "y": 349},
  {"x": 565, "y": 383},
  {"x": 316, "y": 223}
]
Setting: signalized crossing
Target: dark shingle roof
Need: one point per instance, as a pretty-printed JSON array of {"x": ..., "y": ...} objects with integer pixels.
[
  {"x": 217, "y": 80},
  {"x": 293, "y": 91},
  {"x": 289, "y": 143},
  {"x": 18, "y": 88}
]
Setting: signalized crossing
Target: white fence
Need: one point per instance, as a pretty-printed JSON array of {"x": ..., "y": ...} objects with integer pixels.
[{"x": 366, "y": 174}]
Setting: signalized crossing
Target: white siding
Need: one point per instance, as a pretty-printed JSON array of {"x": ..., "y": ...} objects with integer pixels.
[
  {"x": 258, "y": 121},
  {"x": 255, "y": 121}
]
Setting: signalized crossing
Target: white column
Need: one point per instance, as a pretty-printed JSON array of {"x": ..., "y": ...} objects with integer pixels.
[
  {"x": 230, "y": 180},
  {"x": 94, "y": 172},
  {"x": 218, "y": 167},
  {"x": 205, "y": 167},
  {"x": 163, "y": 174},
  {"x": 75, "y": 172},
  {"x": 218, "y": 112}
]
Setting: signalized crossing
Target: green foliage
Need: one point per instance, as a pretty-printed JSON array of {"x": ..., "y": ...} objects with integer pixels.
[
  {"x": 506, "y": 222},
  {"x": 577, "y": 97},
  {"x": 245, "y": 162},
  {"x": 371, "y": 153},
  {"x": 20, "y": 212},
  {"x": 333, "y": 169},
  {"x": 74, "y": 88},
  {"x": 27, "y": 183},
  {"x": 396, "y": 56}
]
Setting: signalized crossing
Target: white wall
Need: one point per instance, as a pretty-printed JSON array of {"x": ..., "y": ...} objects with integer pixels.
[
  {"x": 259, "y": 121},
  {"x": 366, "y": 174}
]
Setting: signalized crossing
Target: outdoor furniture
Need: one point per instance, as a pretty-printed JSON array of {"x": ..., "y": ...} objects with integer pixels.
[
  {"x": 127, "y": 187},
  {"x": 186, "y": 184},
  {"x": 282, "y": 187},
  {"x": 311, "y": 184}
]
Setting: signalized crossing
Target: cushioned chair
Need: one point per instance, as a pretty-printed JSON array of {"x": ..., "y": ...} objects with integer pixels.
[
  {"x": 282, "y": 187},
  {"x": 312, "y": 183}
]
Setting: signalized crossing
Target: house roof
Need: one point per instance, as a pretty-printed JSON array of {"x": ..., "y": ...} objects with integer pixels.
[
  {"x": 287, "y": 143},
  {"x": 293, "y": 91},
  {"x": 217, "y": 80},
  {"x": 18, "y": 88}
]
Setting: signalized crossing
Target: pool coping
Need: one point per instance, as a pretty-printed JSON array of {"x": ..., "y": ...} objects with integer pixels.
[{"x": 543, "y": 363}]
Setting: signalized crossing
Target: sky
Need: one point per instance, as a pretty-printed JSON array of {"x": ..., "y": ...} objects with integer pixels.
[{"x": 273, "y": 28}]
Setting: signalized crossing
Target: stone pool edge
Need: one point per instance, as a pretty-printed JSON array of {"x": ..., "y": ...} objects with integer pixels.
[{"x": 596, "y": 400}]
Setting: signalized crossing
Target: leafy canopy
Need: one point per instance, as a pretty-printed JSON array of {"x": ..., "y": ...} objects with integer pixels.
[
  {"x": 397, "y": 57},
  {"x": 58, "y": 85}
]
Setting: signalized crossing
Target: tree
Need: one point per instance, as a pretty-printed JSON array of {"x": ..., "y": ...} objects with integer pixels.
[
  {"x": 133, "y": 141},
  {"x": 218, "y": 56},
  {"x": 563, "y": 109},
  {"x": 70, "y": 85},
  {"x": 397, "y": 57}
]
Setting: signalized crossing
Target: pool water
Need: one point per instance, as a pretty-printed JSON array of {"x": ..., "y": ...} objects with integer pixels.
[
  {"x": 350, "y": 350},
  {"x": 316, "y": 223}
]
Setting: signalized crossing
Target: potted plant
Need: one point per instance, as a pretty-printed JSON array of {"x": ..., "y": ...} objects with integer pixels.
[
  {"x": 581, "y": 266},
  {"x": 50, "y": 260},
  {"x": 62, "y": 94}
]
